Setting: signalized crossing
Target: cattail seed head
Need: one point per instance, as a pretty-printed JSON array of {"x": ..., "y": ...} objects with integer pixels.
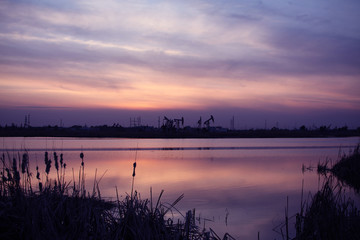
[
  {"x": 14, "y": 165},
  {"x": 56, "y": 161},
  {"x": 25, "y": 162},
  {"x": 61, "y": 159},
  {"x": 134, "y": 166},
  {"x": 9, "y": 176},
  {"x": 82, "y": 158},
  {"x": 48, "y": 166},
  {"x": 46, "y": 158}
]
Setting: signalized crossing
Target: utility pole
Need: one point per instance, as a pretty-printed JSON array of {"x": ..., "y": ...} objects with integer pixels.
[
  {"x": 27, "y": 121},
  {"x": 232, "y": 123}
]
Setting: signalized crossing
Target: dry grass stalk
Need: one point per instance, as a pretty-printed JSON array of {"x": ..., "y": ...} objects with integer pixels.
[{"x": 58, "y": 211}]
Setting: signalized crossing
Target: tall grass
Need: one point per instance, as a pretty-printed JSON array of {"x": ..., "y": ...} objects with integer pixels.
[
  {"x": 329, "y": 214},
  {"x": 347, "y": 169},
  {"x": 47, "y": 208}
]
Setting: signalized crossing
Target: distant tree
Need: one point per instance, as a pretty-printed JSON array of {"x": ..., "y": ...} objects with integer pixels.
[
  {"x": 344, "y": 128},
  {"x": 324, "y": 128},
  {"x": 303, "y": 128}
]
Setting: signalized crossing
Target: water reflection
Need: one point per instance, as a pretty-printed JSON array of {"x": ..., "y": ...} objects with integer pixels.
[{"x": 247, "y": 184}]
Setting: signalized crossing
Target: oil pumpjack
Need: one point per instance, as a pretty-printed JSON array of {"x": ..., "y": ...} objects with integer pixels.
[
  {"x": 178, "y": 121},
  {"x": 207, "y": 122},
  {"x": 169, "y": 123},
  {"x": 173, "y": 123}
]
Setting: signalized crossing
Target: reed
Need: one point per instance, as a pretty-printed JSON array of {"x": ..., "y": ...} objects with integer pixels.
[
  {"x": 347, "y": 169},
  {"x": 329, "y": 214},
  {"x": 61, "y": 210}
]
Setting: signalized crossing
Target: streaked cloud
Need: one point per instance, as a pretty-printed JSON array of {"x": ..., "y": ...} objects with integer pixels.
[{"x": 180, "y": 55}]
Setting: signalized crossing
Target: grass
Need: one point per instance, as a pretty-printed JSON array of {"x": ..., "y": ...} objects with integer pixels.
[
  {"x": 346, "y": 169},
  {"x": 38, "y": 207},
  {"x": 330, "y": 214}
]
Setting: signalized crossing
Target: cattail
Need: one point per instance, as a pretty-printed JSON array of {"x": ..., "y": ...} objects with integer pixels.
[
  {"x": 48, "y": 166},
  {"x": 16, "y": 173},
  {"x": 82, "y": 158},
  {"x": 61, "y": 160},
  {"x": 14, "y": 165},
  {"x": 25, "y": 162},
  {"x": 56, "y": 161},
  {"x": 134, "y": 165},
  {"x": 9, "y": 176},
  {"x": 46, "y": 158},
  {"x": 133, "y": 179},
  {"x": 37, "y": 173}
]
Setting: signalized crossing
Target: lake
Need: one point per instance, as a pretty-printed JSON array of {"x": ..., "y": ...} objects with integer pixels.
[{"x": 239, "y": 186}]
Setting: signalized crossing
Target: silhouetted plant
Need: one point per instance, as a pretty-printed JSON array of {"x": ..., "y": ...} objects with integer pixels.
[
  {"x": 329, "y": 215},
  {"x": 56, "y": 212}
]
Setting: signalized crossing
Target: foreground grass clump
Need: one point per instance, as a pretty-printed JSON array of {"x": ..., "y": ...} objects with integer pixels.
[
  {"x": 348, "y": 169},
  {"x": 329, "y": 215},
  {"x": 54, "y": 209},
  {"x": 51, "y": 215}
]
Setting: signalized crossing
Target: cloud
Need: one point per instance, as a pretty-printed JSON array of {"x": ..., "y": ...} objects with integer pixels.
[{"x": 195, "y": 54}]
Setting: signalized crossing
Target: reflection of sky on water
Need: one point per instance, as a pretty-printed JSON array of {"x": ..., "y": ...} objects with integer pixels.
[{"x": 251, "y": 184}]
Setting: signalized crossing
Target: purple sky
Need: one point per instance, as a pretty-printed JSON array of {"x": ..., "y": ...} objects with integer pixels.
[{"x": 286, "y": 63}]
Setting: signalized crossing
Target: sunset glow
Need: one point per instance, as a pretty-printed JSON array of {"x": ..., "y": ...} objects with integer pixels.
[{"x": 188, "y": 56}]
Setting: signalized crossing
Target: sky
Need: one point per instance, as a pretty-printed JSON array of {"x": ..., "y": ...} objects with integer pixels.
[{"x": 265, "y": 63}]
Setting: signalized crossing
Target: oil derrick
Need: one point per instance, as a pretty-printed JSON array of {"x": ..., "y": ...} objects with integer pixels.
[
  {"x": 207, "y": 122},
  {"x": 178, "y": 121},
  {"x": 135, "y": 122}
]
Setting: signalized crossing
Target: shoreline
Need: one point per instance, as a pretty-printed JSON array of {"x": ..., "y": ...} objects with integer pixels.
[{"x": 151, "y": 132}]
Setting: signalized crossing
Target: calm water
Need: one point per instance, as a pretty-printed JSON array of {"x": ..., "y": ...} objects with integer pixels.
[{"x": 245, "y": 181}]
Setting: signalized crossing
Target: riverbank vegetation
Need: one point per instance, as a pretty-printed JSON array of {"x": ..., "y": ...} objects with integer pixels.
[
  {"x": 346, "y": 169},
  {"x": 331, "y": 213},
  {"x": 38, "y": 207},
  {"x": 185, "y": 132},
  {"x": 43, "y": 205}
]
